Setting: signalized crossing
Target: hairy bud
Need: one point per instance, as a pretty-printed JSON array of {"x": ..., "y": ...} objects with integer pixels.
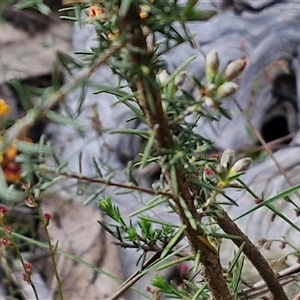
[
  {"x": 234, "y": 69},
  {"x": 210, "y": 102},
  {"x": 180, "y": 78},
  {"x": 227, "y": 89},
  {"x": 163, "y": 77},
  {"x": 241, "y": 165},
  {"x": 212, "y": 65},
  {"x": 227, "y": 158}
]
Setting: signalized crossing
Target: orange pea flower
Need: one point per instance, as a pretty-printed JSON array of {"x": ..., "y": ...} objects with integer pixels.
[
  {"x": 4, "y": 108},
  {"x": 11, "y": 168},
  {"x": 95, "y": 11}
]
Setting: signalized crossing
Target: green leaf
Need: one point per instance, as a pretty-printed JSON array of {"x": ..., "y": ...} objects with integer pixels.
[
  {"x": 158, "y": 221},
  {"x": 272, "y": 199},
  {"x": 174, "y": 182},
  {"x": 175, "y": 262},
  {"x": 48, "y": 184},
  {"x": 31, "y": 148},
  {"x": 58, "y": 118},
  {"x": 188, "y": 213},
  {"x": 142, "y": 133},
  {"x": 10, "y": 194},
  {"x": 154, "y": 202},
  {"x": 174, "y": 241},
  {"x": 196, "y": 262},
  {"x": 236, "y": 257},
  {"x": 147, "y": 150}
]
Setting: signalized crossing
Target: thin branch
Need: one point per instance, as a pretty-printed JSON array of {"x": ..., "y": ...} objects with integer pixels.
[
  {"x": 134, "y": 277},
  {"x": 253, "y": 255},
  {"x": 22, "y": 125},
  {"x": 113, "y": 183},
  {"x": 266, "y": 146},
  {"x": 275, "y": 144}
]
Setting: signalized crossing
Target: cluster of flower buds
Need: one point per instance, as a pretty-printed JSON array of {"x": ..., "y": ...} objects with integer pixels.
[
  {"x": 227, "y": 170},
  {"x": 220, "y": 85}
]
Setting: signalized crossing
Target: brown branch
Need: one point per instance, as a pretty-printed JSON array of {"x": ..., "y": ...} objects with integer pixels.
[
  {"x": 150, "y": 101},
  {"x": 253, "y": 255},
  {"x": 104, "y": 181}
]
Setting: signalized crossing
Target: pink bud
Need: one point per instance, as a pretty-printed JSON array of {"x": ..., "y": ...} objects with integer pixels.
[
  {"x": 3, "y": 210},
  {"x": 47, "y": 218},
  {"x": 29, "y": 202},
  {"x": 28, "y": 268}
]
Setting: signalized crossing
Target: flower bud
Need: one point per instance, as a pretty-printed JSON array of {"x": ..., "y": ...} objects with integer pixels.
[
  {"x": 163, "y": 77},
  {"x": 28, "y": 268},
  {"x": 227, "y": 158},
  {"x": 211, "y": 65},
  {"x": 221, "y": 171},
  {"x": 234, "y": 69},
  {"x": 210, "y": 102},
  {"x": 241, "y": 165},
  {"x": 180, "y": 78},
  {"x": 227, "y": 89}
]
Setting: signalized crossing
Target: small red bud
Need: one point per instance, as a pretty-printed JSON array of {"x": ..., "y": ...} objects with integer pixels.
[
  {"x": 208, "y": 171},
  {"x": 26, "y": 278},
  {"x": 214, "y": 156},
  {"x": 262, "y": 241},
  {"x": 184, "y": 268},
  {"x": 28, "y": 268},
  {"x": 282, "y": 245},
  {"x": 3, "y": 210},
  {"x": 148, "y": 289},
  {"x": 6, "y": 242},
  {"x": 29, "y": 202},
  {"x": 8, "y": 229},
  {"x": 272, "y": 218},
  {"x": 258, "y": 200},
  {"x": 47, "y": 218}
]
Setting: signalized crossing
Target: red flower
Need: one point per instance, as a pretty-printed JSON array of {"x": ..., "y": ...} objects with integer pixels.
[{"x": 28, "y": 268}]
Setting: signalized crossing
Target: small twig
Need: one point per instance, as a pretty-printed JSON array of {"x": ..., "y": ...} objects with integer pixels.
[
  {"x": 260, "y": 289},
  {"x": 145, "y": 247},
  {"x": 134, "y": 278},
  {"x": 22, "y": 125},
  {"x": 113, "y": 183},
  {"x": 275, "y": 144},
  {"x": 266, "y": 146}
]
